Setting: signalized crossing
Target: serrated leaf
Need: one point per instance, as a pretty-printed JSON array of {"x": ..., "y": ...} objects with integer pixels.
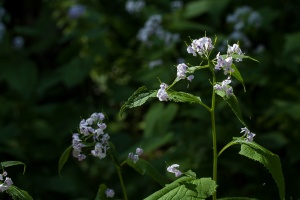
[
  {"x": 238, "y": 76},
  {"x": 18, "y": 194},
  {"x": 271, "y": 161},
  {"x": 183, "y": 97},
  {"x": 12, "y": 163},
  {"x": 101, "y": 193},
  {"x": 237, "y": 198},
  {"x": 194, "y": 68},
  {"x": 186, "y": 188},
  {"x": 260, "y": 154},
  {"x": 63, "y": 158},
  {"x": 138, "y": 98},
  {"x": 234, "y": 105},
  {"x": 144, "y": 167}
]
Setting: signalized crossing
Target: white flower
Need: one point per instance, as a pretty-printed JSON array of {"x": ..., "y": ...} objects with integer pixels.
[
  {"x": 173, "y": 169},
  {"x": 224, "y": 64},
  {"x": 161, "y": 93},
  {"x": 99, "y": 151},
  {"x": 235, "y": 49},
  {"x": 200, "y": 46},
  {"x": 190, "y": 78},
  {"x": 139, "y": 151},
  {"x": 181, "y": 70},
  {"x": 225, "y": 87},
  {"x": 109, "y": 193},
  {"x": 249, "y": 135}
]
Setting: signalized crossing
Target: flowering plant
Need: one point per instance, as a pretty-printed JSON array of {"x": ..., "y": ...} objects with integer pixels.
[{"x": 92, "y": 139}]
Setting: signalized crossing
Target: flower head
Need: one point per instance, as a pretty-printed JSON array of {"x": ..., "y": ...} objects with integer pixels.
[
  {"x": 201, "y": 46},
  {"x": 224, "y": 64},
  {"x": 249, "y": 135},
  {"x": 109, "y": 193},
  {"x": 161, "y": 93},
  {"x": 181, "y": 70},
  {"x": 225, "y": 87},
  {"x": 173, "y": 169},
  {"x": 235, "y": 49},
  {"x": 6, "y": 183}
]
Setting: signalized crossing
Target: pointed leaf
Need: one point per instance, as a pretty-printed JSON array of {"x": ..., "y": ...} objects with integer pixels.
[
  {"x": 138, "y": 98},
  {"x": 237, "y": 198},
  {"x": 101, "y": 193},
  {"x": 12, "y": 163},
  {"x": 258, "y": 153},
  {"x": 238, "y": 76},
  {"x": 63, "y": 158},
  {"x": 236, "y": 56},
  {"x": 194, "y": 68},
  {"x": 186, "y": 188},
  {"x": 234, "y": 105},
  {"x": 144, "y": 167},
  {"x": 18, "y": 194},
  {"x": 183, "y": 97}
]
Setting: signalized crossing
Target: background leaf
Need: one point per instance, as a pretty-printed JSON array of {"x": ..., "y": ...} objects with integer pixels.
[
  {"x": 18, "y": 194},
  {"x": 64, "y": 158},
  {"x": 12, "y": 163}
]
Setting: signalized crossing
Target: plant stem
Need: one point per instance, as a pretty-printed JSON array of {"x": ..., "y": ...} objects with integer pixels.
[
  {"x": 214, "y": 134},
  {"x": 121, "y": 181}
]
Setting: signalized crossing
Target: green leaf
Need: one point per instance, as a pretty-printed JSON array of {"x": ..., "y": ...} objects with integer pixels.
[
  {"x": 12, "y": 163},
  {"x": 186, "y": 188},
  {"x": 101, "y": 193},
  {"x": 16, "y": 193},
  {"x": 63, "y": 158},
  {"x": 237, "y": 198},
  {"x": 138, "y": 98},
  {"x": 238, "y": 76},
  {"x": 234, "y": 105},
  {"x": 260, "y": 154},
  {"x": 271, "y": 161},
  {"x": 235, "y": 56},
  {"x": 194, "y": 68},
  {"x": 144, "y": 167},
  {"x": 183, "y": 97}
]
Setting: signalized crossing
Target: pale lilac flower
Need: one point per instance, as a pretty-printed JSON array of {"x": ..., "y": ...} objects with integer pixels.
[
  {"x": 225, "y": 87},
  {"x": 6, "y": 184},
  {"x": 77, "y": 146},
  {"x": 249, "y": 135},
  {"x": 175, "y": 5},
  {"x": 99, "y": 151},
  {"x": 173, "y": 169},
  {"x": 133, "y": 157},
  {"x": 18, "y": 42},
  {"x": 235, "y": 49},
  {"x": 110, "y": 193},
  {"x": 139, "y": 151},
  {"x": 76, "y": 11},
  {"x": 224, "y": 64},
  {"x": 201, "y": 46},
  {"x": 161, "y": 93},
  {"x": 181, "y": 70},
  {"x": 190, "y": 78}
]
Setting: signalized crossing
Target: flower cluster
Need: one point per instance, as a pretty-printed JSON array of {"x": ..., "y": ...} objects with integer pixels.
[
  {"x": 93, "y": 126},
  {"x": 173, "y": 169},
  {"x": 162, "y": 93},
  {"x": 181, "y": 72},
  {"x": 224, "y": 87},
  {"x": 201, "y": 46},
  {"x": 249, "y": 135},
  {"x": 135, "y": 157},
  {"x": 6, "y": 183},
  {"x": 153, "y": 27},
  {"x": 134, "y": 6},
  {"x": 76, "y": 11},
  {"x": 110, "y": 193},
  {"x": 175, "y": 5}
]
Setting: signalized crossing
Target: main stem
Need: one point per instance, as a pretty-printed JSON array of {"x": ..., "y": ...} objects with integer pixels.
[
  {"x": 214, "y": 135},
  {"x": 121, "y": 182}
]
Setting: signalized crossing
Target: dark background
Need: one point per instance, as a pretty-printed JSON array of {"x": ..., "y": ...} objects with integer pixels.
[{"x": 69, "y": 68}]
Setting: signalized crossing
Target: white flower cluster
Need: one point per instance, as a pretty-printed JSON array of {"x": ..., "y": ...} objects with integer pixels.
[
  {"x": 181, "y": 72},
  {"x": 135, "y": 157},
  {"x": 173, "y": 169},
  {"x": 225, "y": 87},
  {"x": 249, "y": 135},
  {"x": 162, "y": 93},
  {"x": 93, "y": 126},
  {"x": 175, "y": 5},
  {"x": 201, "y": 46},
  {"x": 6, "y": 183},
  {"x": 153, "y": 27},
  {"x": 134, "y": 6}
]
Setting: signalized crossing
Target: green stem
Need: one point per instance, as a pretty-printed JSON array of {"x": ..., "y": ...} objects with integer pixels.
[
  {"x": 121, "y": 181},
  {"x": 214, "y": 134}
]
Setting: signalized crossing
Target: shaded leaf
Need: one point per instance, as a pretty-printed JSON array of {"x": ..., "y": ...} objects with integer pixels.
[
  {"x": 138, "y": 98},
  {"x": 238, "y": 76},
  {"x": 186, "y": 188},
  {"x": 12, "y": 163},
  {"x": 237, "y": 198},
  {"x": 144, "y": 167},
  {"x": 101, "y": 193},
  {"x": 17, "y": 194},
  {"x": 63, "y": 158}
]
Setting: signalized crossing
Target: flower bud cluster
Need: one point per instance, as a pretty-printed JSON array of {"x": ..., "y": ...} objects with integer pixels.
[
  {"x": 6, "y": 183},
  {"x": 93, "y": 126},
  {"x": 135, "y": 157}
]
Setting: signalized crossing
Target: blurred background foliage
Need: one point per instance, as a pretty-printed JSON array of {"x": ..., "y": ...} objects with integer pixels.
[{"x": 62, "y": 60}]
